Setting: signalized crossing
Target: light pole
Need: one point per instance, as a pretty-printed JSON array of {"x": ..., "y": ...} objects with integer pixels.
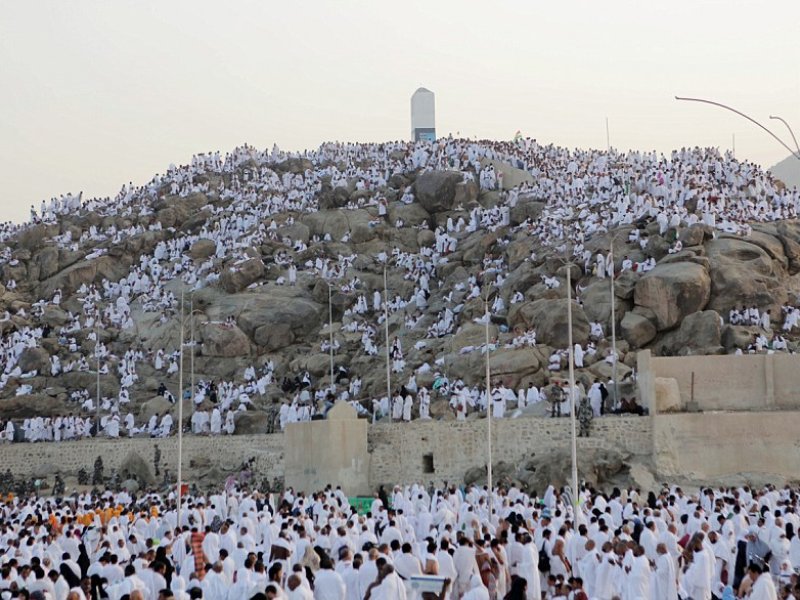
[
  {"x": 613, "y": 322},
  {"x": 794, "y": 139},
  {"x": 192, "y": 313},
  {"x": 180, "y": 416},
  {"x": 191, "y": 356},
  {"x": 330, "y": 327},
  {"x": 488, "y": 408},
  {"x": 794, "y": 153},
  {"x": 386, "y": 328},
  {"x": 97, "y": 358},
  {"x": 574, "y": 437}
]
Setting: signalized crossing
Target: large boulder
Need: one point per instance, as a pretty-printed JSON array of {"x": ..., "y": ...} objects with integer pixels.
[
  {"x": 597, "y": 303},
  {"x": 134, "y": 466},
  {"x": 513, "y": 365},
  {"x": 337, "y": 223},
  {"x": 788, "y": 233},
  {"x": 251, "y": 422},
  {"x": 35, "y": 359},
  {"x": 275, "y": 322},
  {"x": 527, "y": 207},
  {"x": 735, "y": 337},
  {"x": 695, "y": 235},
  {"x": 47, "y": 261},
  {"x": 157, "y": 405},
  {"x": 236, "y": 278},
  {"x": 54, "y": 316},
  {"x": 69, "y": 280},
  {"x": 33, "y": 405},
  {"x": 744, "y": 273},
  {"x": 412, "y": 214},
  {"x": 549, "y": 318},
  {"x": 436, "y": 190},
  {"x": 637, "y": 330},
  {"x": 699, "y": 333},
  {"x": 202, "y": 249},
  {"x": 223, "y": 340},
  {"x": 673, "y": 291}
]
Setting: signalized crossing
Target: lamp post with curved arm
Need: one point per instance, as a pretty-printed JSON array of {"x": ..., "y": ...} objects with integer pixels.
[{"x": 794, "y": 153}]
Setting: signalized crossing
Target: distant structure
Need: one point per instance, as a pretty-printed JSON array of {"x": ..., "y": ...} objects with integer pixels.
[{"x": 423, "y": 115}]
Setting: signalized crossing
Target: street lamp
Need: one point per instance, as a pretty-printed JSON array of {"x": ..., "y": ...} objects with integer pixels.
[
  {"x": 569, "y": 263},
  {"x": 488, "y": 404},
  {"x": 180, "y": 413},
  {"x": 794, "y": 153},
  {"x": 573, "y": 432},
  {"x": 330, "y": 326},
  {"x": 794, "y": 139}
]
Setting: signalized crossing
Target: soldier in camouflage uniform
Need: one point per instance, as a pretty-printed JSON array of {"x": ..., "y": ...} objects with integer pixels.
[
  {"x": 555, "y": 395},
  {"x": 585, "y": 416}
]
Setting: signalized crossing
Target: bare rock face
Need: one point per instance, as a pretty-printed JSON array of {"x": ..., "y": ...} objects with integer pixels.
[
  {"x": 275, "y": 322},
  {"x": 135, "y": 466},
  {"x": 47, "y": 261},
  {"x": 526, "y": 208},
  {"x": 202, "y": 249},
  {"x": 744, "y": 273},
  {"x": 35, "y": 359},
  {"x": 54, "y": 316},
  {"x": 673, "y": 291},
  {"x": 237, "y": 278},
  {"x": 34, "y": 405},
  {"x": 549, "y": 318},
  {"x": 225, "y": 341},
  {"x": 637, "y": 330},
  {"x": 158, "y": 405},
  {"x": 252, "y": 422},
  {"x": 699, "y": 333},
  {"x": 511, "y": 366},
  {"x": 436, "y": 190},
  {"x": 597, "y": 304}
]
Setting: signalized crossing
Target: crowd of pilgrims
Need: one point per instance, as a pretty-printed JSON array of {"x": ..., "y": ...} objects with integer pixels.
[
  {"x": 586, "y": 192},
  {"x": 236, "y": 544}
]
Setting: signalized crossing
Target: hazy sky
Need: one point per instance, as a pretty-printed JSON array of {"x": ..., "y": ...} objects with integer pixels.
[{"x": 98, "y": 93}]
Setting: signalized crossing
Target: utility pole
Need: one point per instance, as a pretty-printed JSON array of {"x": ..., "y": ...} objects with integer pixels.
[
  {"x": 488, "y": 411},
  {"x": 180, "y": 417},
  {"x": 574, "y": 438},
  {"x": 613, "y": 324},
  {"x": 330, "y": 327},
  {"x": 97, "y": 358},
  {"x": 388, "y": 348}
]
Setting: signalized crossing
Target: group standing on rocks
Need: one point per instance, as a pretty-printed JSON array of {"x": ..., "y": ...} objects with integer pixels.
[{"x": 257, "y": 241}]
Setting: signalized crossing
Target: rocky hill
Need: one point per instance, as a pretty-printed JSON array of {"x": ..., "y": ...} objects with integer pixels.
[
  {"x": 695, "y": 235},
  {"x": 788, "y": 171}
]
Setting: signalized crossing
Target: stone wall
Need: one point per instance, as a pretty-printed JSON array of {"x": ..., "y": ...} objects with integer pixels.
[
  {"x": 728, "y": 446},
  {"x": 430, "y": 451},
  {"x": 736, "y": 383},
  {"x": 398, "y": 453},
  {"x": 223, "y": 453},
  {"x": 710, "y": 447}
]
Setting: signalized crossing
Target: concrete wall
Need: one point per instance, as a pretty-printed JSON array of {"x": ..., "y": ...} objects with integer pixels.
[
  {"x": 737, "y": 383},
  {"x": 715, "y": 446},
  {"x": 403, "y": 452},
  {"x": 333, "y": 451}
]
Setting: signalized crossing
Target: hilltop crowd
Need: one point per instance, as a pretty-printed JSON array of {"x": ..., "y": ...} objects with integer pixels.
[{"x": 251, "y": 198}]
